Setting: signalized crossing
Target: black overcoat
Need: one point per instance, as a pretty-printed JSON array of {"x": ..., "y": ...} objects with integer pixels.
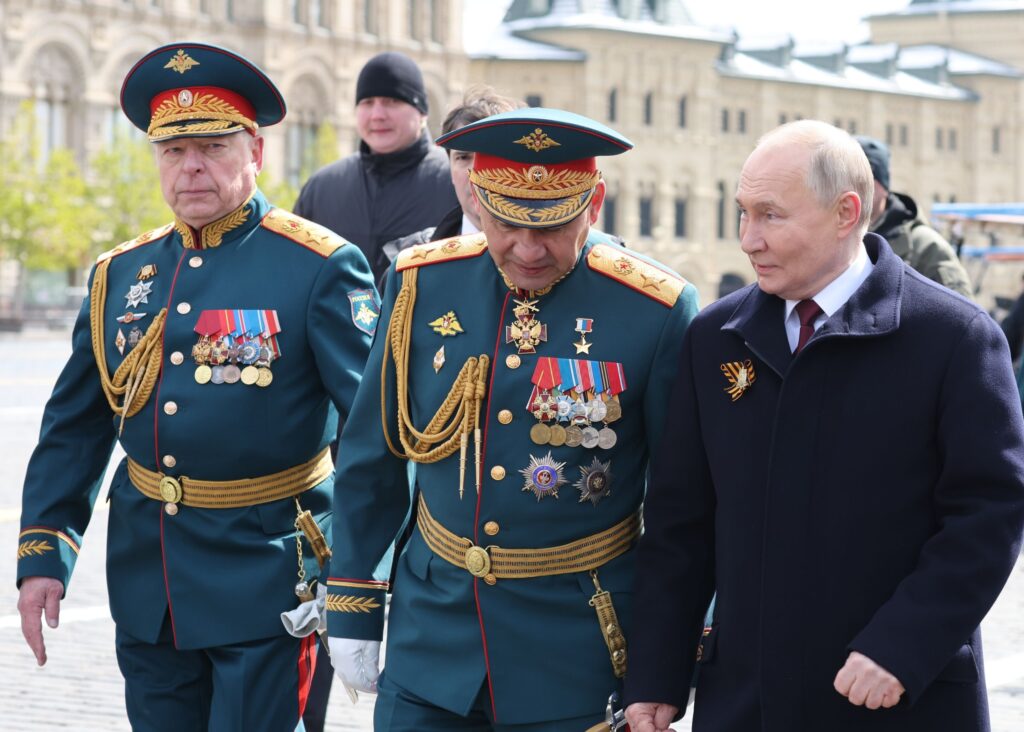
[{"x": 866, "y": 494}]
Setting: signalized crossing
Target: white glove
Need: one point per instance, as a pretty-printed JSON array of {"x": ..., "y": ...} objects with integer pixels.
[
  {"x": 356, "y": 663},
  {"x": 308, "y": 617}
]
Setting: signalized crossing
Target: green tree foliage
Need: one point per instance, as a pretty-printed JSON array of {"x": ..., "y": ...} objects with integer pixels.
[
  {"x": 125, "y": 192},
  {"x": 54, "y": 217}
]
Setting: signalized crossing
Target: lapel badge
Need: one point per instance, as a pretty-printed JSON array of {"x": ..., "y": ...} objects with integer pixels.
[
  {"x": 439, "y": 359},
  {"x": 131, "y": 317},
  {"x": 740, "y": 375},
  {"x": 583, "y": 326},
  {"x": 146, "y": 271},
  {"x": 596, "y": 481},
  {"x": 138, "y": 294},
  {"x": 447, "y": 325},
  {"x": 543, "y": 476},
  {"x": 120, "y": 341}
]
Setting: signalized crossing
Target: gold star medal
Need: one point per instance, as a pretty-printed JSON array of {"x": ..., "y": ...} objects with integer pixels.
[
  {"x": 447, "y": 325},
  {"x": 543, "y": 476},
  {"x": 583, "y": 326},
  {"x": 740, "y": 375}
]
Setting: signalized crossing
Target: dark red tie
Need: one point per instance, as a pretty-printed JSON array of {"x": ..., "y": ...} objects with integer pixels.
[{"x": 808, "y": 311}]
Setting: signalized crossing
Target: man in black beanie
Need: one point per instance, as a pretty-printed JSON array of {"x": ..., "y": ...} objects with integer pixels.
[
  {"x": 398, "y": 182},
  {"x": 895, "y": 217}
]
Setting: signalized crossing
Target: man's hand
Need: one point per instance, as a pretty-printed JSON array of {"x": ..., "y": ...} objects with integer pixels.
[
  {"x": 650, "y": 717},
  {"x": 864, "y": 683},
  {"x": 38, "y": 594},
  {"x": 356, "y": 663}
]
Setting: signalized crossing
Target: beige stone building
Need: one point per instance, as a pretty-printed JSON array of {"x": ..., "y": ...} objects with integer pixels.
[
  {"x": 942, "y": 82},
  {"x": 70, "y": 57}
]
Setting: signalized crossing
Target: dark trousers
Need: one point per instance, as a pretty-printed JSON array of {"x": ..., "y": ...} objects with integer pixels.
[
  {"x": 399, "y": 710},
  {"x": 259, "y": 685}
]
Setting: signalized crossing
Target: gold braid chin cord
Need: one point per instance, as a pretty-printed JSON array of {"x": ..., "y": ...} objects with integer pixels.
[
  {"x": 134, "y": 379},
  {"x": 459, "y": 413}
]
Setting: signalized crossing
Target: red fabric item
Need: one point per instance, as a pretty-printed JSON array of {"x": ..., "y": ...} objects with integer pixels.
[{"x": 808, "y": 311}]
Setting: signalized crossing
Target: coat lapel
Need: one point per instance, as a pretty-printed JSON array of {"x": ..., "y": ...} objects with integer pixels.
[
  {"x": 873, "y": 310},
  {"x": 758, "y": 320}
]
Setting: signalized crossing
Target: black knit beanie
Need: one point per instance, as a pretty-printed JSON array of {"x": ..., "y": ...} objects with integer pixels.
[
  {"x": 394, "y": 75},
  {"x": 878, "y": 156}
]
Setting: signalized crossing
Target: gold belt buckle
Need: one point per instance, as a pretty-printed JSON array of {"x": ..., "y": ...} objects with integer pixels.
[
  {"x": 478, "y": 561},
  {"x": 170, "y": 489}
]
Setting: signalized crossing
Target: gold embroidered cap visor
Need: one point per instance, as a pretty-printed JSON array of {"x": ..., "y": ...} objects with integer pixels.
[
  {"x": 198, "y": 90},
  {"x": 535, "y": 168}
]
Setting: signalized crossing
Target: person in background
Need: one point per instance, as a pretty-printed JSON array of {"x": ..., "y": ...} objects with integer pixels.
[
  {"x": 398, "y": 181},
  {"x": 896, "y": 218},
  {"x": 478, "y": 102}
]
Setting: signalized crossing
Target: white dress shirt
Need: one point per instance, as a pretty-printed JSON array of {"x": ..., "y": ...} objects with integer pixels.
[{"x": 832, "y": 297}]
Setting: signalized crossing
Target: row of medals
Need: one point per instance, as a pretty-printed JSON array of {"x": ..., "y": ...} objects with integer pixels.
[
  {"x": 218, "y": 362},
  {"x": 580, "y": 416}
]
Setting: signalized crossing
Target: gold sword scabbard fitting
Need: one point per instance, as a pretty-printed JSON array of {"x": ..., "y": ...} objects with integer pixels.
[
  {"x": 610, "y": 628},
  {"x": 314, "y": 536}
]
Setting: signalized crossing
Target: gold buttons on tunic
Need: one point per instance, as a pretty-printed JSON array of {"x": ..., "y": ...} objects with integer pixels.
[
  {"x": 491, "y": 528},
  {"x": 505, "y": 416},
  {"x": 177, "y": 358},
  {"x": 171, "y": 509},
  {"x": 170, "y": 408},
  {"x": 170, "y": 461},
  {"x": 513, "y": 361},
  {"x": 498, "y": 472},
  {"x": 490, "y": 579},
  {"x": 184, "y": 308},
  {"x": 196, "y": 261}
]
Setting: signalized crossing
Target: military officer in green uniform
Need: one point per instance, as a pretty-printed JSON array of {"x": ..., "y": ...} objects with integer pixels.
[
  {"x": 219, "y": 350},
  {"x": 524, "y": 370}
]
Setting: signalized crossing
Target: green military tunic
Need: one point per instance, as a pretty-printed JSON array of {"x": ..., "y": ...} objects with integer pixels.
[
  {"x": 223, "y": 574},
  {"x": 616, "y": 318}
]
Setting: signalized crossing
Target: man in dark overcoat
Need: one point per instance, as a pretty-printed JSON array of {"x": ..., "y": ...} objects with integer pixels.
[{"x": 843, "y": 462}]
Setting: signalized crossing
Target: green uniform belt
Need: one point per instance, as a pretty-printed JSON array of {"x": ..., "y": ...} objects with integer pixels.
[
  {"x": 493, "y": 563},
  {"x": 231, "y": 493}
]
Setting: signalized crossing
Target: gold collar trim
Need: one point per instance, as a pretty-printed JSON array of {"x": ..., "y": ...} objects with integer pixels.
[{"x": 212, "y": 234}]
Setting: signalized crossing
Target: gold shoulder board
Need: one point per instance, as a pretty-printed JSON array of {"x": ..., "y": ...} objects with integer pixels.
[
  {"x": 445, "y": 250},
  {"x": 136, "y": 242},
  {"x": 320, "y": 239},
  {"x": 644, "y": 277}
]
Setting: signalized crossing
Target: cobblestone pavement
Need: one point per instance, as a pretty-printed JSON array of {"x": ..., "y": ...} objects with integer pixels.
[{"x": 80, "y": 687}]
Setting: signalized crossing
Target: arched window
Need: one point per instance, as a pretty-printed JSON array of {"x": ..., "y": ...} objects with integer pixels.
[
  {"x": 56, "y": 88},
  {"x": 305, "y": 115},
  {"x": 613, "y": 105},
  {"x": 649, "y": 109}
]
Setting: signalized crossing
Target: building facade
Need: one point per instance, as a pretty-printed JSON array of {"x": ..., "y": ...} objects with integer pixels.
[
  {"x": 70, "y": 56},
  {"x": 941, "y": 82}
]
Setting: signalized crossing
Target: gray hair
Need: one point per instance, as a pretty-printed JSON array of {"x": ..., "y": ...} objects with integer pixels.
[{"x": 837, "y": 163}]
